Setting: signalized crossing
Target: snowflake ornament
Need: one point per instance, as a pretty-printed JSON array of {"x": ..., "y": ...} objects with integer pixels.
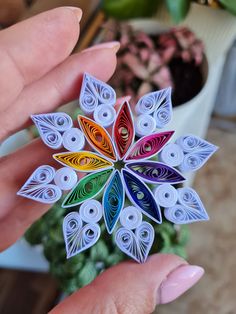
[{"x": 126, "y": 171}]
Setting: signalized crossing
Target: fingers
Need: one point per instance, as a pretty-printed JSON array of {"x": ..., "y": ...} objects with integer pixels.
[
  {"x": 59, "y": 86},
  {"x": 134, "y": 288},
  {"x": 28, "y": 50}
]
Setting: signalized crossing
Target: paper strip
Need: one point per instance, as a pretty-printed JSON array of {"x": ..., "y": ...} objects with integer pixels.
[
  {"x": 73, "y": 140},
  {"x": 37, "y": 186},
  {"x": 95, "y": 92},
  {"x": 83, "y": 161},
  {"x": 65, "y": 178},
  {"x": 113, "y": 201},
  {"x": 172, "y": 155},
  {"x": 189, "y": 210},
  {"x": 97, "y": 137},
  {"x": 78, "y": 237},
  {"x": 87, "y": 188},
  {"x": 131, "y": 217},
  {"x": 155, "y": 172},
  {"x": 141, "y": 196},
  {"x": 123, "y": 129},
  {"x": 158, "y": 103},
  {"x": 136, "y": 245},
  {"x": 149, "y": 145},
  {"x": 197, "y": 152},
  {"x": 50, "y": 127},
  {"x": 166, "y": 195},
  {"x": 91, "y": 211},
  {"x": 144, "y": 125},
  {"x": 104, "y": 115}
]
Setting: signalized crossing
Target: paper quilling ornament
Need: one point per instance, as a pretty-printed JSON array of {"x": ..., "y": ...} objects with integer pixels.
[{"x": 127, "y": 172}]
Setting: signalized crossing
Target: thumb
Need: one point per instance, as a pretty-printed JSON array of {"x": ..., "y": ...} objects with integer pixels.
[{"x": 134, "y": 288}]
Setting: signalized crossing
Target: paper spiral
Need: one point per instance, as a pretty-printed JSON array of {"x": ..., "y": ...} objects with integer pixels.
[
  {"x": 166, "y": 195},
  {"x": 104, "y": 115},
  {"x": 91, "y": 211},
  {"x": 73, "y": 140},
  {"x": 144, "y": 125},
  {"x": 65, "y": 178},
  {"x": 172, "y": 155},
  {"x": 130, "y": 217}
]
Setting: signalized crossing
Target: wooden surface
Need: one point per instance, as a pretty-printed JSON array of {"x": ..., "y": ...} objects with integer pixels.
[{"x": 25, "y": 292}]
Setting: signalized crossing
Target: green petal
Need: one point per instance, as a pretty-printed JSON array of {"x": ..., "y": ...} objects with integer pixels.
[{"x": 87, "y": 188}]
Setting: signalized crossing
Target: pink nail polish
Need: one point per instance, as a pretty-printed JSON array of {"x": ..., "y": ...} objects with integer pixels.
[
  {"x": 178, "y": 282},
  {"x": 108, "y": 45}
]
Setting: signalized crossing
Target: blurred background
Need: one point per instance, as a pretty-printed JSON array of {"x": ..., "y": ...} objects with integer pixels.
[{"x": 190, "y": 46}]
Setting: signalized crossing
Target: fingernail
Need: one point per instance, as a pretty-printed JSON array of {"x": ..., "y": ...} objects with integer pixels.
[
  {"x": 78, "y": 12},
  {"x": 115, "y": 45},
  {"x": 178, "y": 282}
]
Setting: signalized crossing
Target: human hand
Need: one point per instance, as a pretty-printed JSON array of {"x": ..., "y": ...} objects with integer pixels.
[{"x": 38, "y": 75}]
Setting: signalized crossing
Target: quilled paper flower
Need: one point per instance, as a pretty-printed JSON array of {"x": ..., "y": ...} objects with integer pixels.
[{"x": 124, "y": 176}]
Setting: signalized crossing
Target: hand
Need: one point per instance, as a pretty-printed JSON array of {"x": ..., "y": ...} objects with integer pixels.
[{"x": 38, "y": 75}]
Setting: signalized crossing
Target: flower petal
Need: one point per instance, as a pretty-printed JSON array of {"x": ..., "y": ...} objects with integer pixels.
[
  {"x": 148, "y": 145},
  {"x": 141, "y": 196},
  {"x": 155, "y": 172},
  {"x": 83, "y": 161},
  {"x": 113, "y": 201},
  {"x": 189, "y": 209},
  {"x": 87, "y": 188},
  {"x": 97, "y": 137},
  {"x": 95, "y": 92},
  {"x": 158, "y": 103},
  {"x": 123, "y": 130}
]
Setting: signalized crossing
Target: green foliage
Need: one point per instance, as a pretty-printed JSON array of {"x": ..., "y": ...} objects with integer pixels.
[
  {"x": 81, "y": 269},
  {"x": 229, "y": 5},
  {"x": 178, "y": 9},
  {"x": 126, "y": 9}
]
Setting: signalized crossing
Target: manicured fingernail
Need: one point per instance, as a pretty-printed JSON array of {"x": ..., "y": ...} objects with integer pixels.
[
  {"x": 178, "y": 282},
  {"x": 115, "y": 45},
  {"x": 78, "y": 12}
]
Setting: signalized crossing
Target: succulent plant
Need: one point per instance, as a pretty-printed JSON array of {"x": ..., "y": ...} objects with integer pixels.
[{"x": 144, "y": 62}]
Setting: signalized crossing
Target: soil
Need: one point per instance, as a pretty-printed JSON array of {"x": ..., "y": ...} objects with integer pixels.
[{"x": 188, "y": 80}]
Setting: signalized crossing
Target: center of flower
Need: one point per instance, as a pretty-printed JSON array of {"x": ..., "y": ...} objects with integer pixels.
[{"x": 119, "y": 164}]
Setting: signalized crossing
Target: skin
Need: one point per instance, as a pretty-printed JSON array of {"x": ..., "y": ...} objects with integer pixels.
[{"x": 38, "y": 75}]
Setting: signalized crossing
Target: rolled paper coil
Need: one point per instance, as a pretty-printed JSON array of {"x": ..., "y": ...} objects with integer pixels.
[
  {"x": 166, "y": 195},
  {"x": 172, "y": 155},
  {"x": 131, "y": 217},
  {"x": 144, "y": 125},
  {"x": 65, "y": 178},
  {"x": 190, "y": 142},
  {"x": 191, "y": 162},
  {"x": 91, "y": 211},
  {"x": 162, "y": 117},
  {"x": 73, "y": 140},
  {"x": 37, "y": 186},
  {"x": 104, "y": 115}
]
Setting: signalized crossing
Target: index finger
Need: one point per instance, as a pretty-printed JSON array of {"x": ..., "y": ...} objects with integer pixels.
[{"x": 30, "y": 49}]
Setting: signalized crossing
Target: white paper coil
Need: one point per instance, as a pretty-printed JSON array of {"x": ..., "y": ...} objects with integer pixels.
[
  {"x": 172, "y": 155},
  {"x": 189, "y": 142},
  {"x": 73, "y": 140},
  {"x": 131, "y": 217},
  {"x": 162, "y": 117},
  {"x": 191, "y": 162},
  {"x": 104, "y": 115},
  {"x": 65, "y": 178},
  {"x": 177, "y": 214},
  {"x": 166, "y": 195},
  {"x": 144, "y": 125},
  {"x": 91, "y": 211}
]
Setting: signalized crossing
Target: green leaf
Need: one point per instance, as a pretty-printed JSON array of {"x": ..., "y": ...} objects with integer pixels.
[
  {"x": 99, "y": 251},
  {"x": 126, "y": 9},
  {"x": 229, "y": 5},
  {"x": 87, "y": 274},
  {"x": 34, "y": 235},
  {"x": 178, "y": 9}
]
